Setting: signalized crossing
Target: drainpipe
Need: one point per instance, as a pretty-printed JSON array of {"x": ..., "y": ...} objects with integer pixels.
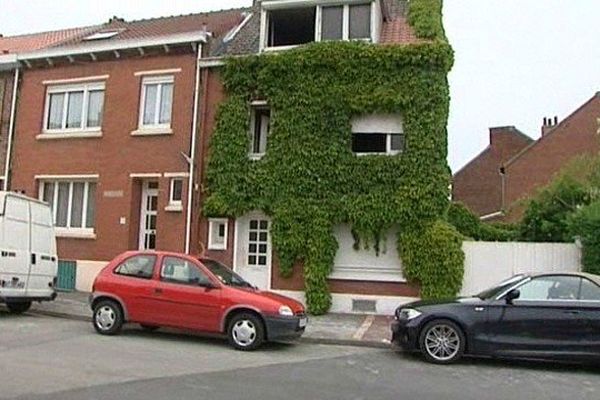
[
  {"x": 192, "y": 158},
  {"x": 11, "y": 128}
]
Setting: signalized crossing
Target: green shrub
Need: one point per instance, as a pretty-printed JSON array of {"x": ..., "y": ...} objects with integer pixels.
[
  {"x": 472, "y": 227},
  {"x": 585, "y": 224},
  {"x": 434, "y": 259}
]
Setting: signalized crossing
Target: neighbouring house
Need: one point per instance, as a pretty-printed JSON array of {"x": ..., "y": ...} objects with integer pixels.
[
  {"x": 105, "y": 129},
  {"x": 302, "y": 93},
  {"x": 478, "y": 185},
  {"x": 9, "y": 74},
  {"x": 502, "y": 193}
]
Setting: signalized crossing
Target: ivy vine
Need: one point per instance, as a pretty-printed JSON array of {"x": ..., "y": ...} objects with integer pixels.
[{"x": 309, "y": 180}]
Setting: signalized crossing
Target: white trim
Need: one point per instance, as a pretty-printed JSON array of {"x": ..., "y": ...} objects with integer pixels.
[
  {"x": 65, "y": 90},
  {"x": 173, "y": 202},
  {"x": 174, "y": 208},
  {"x": 11, "y": 129},
  {"x": 74, "y": 233},
  {"x": 112, "y": 45},
  {"x": 147, "y": 130},
  {"x": 232, "y": 34},
  {"x": 157, "y": 72},
  {"x": 69, "y": 135},
  {"x": 210, "y": 244},
  {"x": 75, "y": 80},
  {"x": 216, "y": 62},
  {"x": 146, "y": 175},
  {"x": 67, "y": 177},
  {"x": 492, "y": 215},
  {"x": 280, "y": 4},
  {"x": 156, "y": 127},
  {"x": 366, "y": 274},
  {"x": 236, "y": 243},
  {"x": 176, "y": 174},
  {"x": 342, "y": 302}
]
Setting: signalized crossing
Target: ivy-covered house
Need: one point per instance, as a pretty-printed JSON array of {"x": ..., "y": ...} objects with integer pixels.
[{"x": 323, "y": 148}]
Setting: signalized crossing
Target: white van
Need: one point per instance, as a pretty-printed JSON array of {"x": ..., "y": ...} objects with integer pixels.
[{"x": 28, "y": 260}]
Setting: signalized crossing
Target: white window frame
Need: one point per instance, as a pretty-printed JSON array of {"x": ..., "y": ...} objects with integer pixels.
[
  {"x": 388, "y": 144},
  {"x": 175, "y": 205},
  {"x": 65, "y": 89},
  {"x": 211, "y": 223},
  {"x": 68, "y": 231},
  {"x": 380, "y": 124},
  {"x": 157, "y": 127},
  {"x": 264, "y": 24},
  {"x": 254, "y": 107}
]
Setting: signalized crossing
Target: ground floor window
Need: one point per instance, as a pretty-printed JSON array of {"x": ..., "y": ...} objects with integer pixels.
[
  {"x": 73, "y": 203},
  {"x": 258, "y": 242},
  {"x": 217, "y": 234}
]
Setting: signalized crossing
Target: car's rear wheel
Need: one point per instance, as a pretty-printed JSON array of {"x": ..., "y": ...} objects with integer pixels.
[
  {"x": 18, "y": 307},
  {"x": 442, "y": 342},
  {"x": 149, "y": 328},
  {"x": 108, "y": 317},
  {"x": 246, "y": 332}
]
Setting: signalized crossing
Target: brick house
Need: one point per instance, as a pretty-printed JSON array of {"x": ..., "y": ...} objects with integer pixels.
[
  {"x": 9, "y": 73},
  {"x": 531, "y": 168},
  {"x": 360, "y": 279},
  {"x": 105, "y": 133},
  {"x": 478, "y": 184}
]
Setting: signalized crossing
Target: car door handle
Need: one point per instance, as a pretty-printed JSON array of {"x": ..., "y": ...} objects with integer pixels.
[
  {"x": 572, "y": 312},
  {"x": 479, "y": 309},
  {"x": 158, "y": 291}
]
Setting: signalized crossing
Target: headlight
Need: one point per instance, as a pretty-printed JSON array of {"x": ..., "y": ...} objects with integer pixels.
[
  {"x": 408, "y": 313},
  {"x": 285, "y": 310}
]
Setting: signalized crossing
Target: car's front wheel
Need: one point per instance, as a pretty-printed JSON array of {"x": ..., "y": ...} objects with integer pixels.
[
  {"x": 246, "y": 332},
  {"x": 18, "y": 307},
  {"x": 442, "y": 342},
  {"x": 108, "y": 317}
]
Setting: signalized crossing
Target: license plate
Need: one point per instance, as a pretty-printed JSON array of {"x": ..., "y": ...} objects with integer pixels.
[{"x": 302, "y": 322}]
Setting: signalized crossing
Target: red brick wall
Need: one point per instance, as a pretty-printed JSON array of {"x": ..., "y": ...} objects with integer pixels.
[
  {"x": 479, "y": 184},
  {"x": 113, "y": 156},
  {"x": 576, "y": 135},
  {"x": 213, "y": 95}
]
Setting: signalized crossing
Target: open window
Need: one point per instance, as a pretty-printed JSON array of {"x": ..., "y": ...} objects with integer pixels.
[
  {"x": 259, "y": 129},
  {"x": 290, "y": 27},
  {"x": 377, "y": 134}
]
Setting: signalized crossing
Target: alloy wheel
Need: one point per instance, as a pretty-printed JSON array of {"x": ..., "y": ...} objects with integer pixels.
[{"x": 442, "y": 342}]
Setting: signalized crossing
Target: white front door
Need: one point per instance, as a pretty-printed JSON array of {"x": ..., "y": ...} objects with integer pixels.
[
  {"x": 149, "y": 211},
  {"x": 253, "y": 252}
]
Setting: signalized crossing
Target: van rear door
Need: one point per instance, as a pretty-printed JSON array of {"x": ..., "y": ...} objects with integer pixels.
[
  {"x": 14, "y": 247},
  {"x": 43, "y": 258}
]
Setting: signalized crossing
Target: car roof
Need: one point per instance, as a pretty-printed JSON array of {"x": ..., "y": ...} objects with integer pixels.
[{"x": 591, "y": 277}]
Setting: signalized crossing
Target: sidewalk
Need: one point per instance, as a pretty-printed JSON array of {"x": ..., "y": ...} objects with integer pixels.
[{"x": 339, "y": 329}]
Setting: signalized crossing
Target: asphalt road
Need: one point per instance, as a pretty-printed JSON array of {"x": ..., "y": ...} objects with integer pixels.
[{"x": 47, "y": 358}]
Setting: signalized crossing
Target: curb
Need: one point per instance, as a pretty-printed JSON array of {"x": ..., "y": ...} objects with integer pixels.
[{"x": 308, "y": 340}]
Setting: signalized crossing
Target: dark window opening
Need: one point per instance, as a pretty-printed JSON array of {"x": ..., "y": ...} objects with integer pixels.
[
  {"x": 397, "y": 142},
  {"x": 291, "y": 27},
  {"x": 369, "y": 142},
  {"x": 332, "y": 23},
  {"x": 360, "y": 21},
  {"x": 260, "y": 130}
]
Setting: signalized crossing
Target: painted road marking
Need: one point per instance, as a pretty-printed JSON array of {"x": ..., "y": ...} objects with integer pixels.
[{"x": 358, "y": 335}]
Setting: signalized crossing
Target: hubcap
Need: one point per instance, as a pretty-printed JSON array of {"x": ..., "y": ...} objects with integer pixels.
[
  {"x": 244, "y": 332},
  {"x": 442, "y": 342},
  {"x": 105, "y": 318}
]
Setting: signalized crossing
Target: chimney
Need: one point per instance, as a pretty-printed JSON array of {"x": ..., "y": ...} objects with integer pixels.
[{"x": 549, "y": 124}]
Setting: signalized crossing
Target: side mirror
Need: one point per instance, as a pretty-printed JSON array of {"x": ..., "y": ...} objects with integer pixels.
[{"x": 512, "y": 295}]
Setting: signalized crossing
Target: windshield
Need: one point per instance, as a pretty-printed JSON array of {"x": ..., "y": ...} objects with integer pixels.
[
  {"x": 225, "y": 275},
  {"x": 499, "y": 288}
]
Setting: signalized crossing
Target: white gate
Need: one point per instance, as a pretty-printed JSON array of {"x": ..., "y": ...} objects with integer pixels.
[{"x": 487, "y": 263}]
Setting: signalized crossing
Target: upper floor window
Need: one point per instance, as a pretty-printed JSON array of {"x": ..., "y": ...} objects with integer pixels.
[
  {"x": 74, "y": 108},
  {"x": 377, "y": 134},
  {"x": 156, "y": 102},
  {"x": 259, "y": 129},
  {"x": 299, "y": 25}
]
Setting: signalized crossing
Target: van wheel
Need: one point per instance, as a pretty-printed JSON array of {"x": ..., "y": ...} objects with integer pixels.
[
  {"x": 107, "y": 318},
  {"x": 149, "y": 328},
  {"x": 18, "y": 308},
  {"x": 246, "y": 332}
]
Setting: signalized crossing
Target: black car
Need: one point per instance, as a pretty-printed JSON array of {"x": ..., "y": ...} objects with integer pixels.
[{"x": 547, "y": 316}]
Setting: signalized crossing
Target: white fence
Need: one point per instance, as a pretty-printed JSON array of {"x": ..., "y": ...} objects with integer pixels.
[{"x": 487, "y": 263}]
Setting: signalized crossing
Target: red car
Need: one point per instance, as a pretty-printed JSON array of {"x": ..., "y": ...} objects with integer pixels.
[{"x": 162, "y": 289}]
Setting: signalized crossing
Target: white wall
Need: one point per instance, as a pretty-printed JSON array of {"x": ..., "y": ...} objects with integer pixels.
[
  {"x": 488, "y": 263},
  {"x": 86, "y": 273}
]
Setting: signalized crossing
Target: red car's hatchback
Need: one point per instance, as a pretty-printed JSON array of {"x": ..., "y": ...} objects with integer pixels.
[{"x": 161, "y": 289}]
